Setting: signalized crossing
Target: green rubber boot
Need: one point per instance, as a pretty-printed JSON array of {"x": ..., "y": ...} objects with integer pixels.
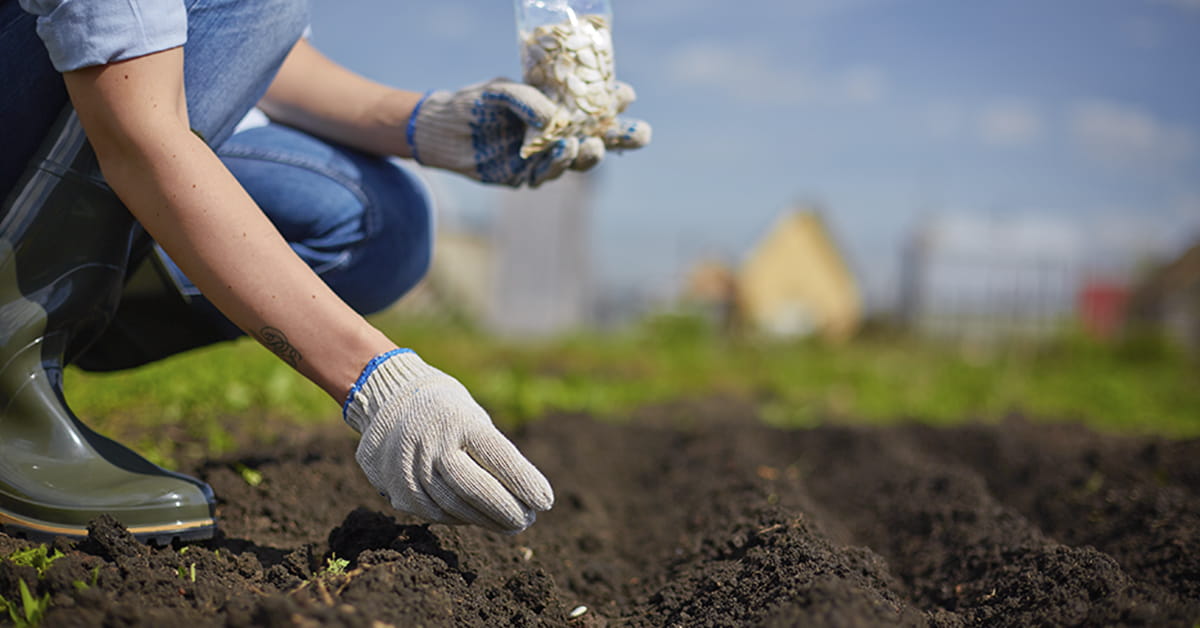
[{"x": 64, "y": 247}]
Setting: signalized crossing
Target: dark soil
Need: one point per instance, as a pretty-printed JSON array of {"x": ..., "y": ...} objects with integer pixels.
[{"x": 692, "y": 515}]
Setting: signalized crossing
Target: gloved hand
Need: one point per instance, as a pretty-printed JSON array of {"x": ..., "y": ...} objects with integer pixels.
[
  {"x": 478, "y": 131},
  {"x": 625, "y": 134},
  {"x": 433, "y": 452}
]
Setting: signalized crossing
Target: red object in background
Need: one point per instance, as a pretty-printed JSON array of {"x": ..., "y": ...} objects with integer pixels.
[{"x": 1102, "y": 307}]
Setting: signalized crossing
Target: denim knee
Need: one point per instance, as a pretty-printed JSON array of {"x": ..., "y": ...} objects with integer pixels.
[
  {"x": 382, "y": 218},
  {"x": 397, "y": 254}
]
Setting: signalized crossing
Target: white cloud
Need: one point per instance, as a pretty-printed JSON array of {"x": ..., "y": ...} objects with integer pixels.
[
  {"x": 1124, "y": 135},
  {"x": 1006, "y": 236},
  {"x": 1009, "y": 124},
  {"x": 748, "y": 74},
  {"x": 1126, "y": 237},
  {"x": 1005, "y": 124},
  {"x": 1109, "y": 238},
  {"x": 713, "y": 64}
]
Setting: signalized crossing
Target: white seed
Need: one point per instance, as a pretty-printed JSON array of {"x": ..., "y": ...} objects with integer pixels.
[
  {"x": 578, "y": 41},
  {"x": 576, "y": 85},
  {"x": 588, "y": 106},
  {"x": 589, "y": 75},
  {"x": 572, "y": 63},
  {"x": 578, "y": 611},
  {"x": 564, "y": 66},
  {"x": 587, "y": 57}
]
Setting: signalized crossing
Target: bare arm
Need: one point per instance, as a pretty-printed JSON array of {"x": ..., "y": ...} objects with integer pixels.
[
  {"x": 313, "y": 93},
  {"x": 135, "y": 115}
]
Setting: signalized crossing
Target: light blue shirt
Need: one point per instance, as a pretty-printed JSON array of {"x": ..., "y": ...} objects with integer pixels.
[{"x": 82, "y": 33}]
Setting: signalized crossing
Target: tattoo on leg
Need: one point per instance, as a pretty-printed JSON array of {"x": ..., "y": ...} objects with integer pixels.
[{"x": 277, "y": 342}]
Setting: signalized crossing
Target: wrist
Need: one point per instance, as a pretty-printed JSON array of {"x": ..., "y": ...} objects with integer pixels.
[
  {"x": 385, "y": 376},
  {"x": 410, "y": 130}
]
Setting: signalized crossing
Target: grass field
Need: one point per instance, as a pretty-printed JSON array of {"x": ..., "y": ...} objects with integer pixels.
[{"x": 202, "y": 403}]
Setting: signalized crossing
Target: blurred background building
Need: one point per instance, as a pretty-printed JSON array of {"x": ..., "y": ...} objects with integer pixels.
[
  {"x": 1168, "y": 299},
  {"x": 992, "y": 279},
  {"x": 540, "y": 279},
  {"x": 794, "y": 282},
  {"x": 965, "y": 278},
  {"x": 522, "y": 269}
]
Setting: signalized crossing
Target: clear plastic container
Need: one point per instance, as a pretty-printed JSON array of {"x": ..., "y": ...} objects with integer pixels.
[
  {"x": 534, "y": 13},
  {"x": 567, "y": 53}
]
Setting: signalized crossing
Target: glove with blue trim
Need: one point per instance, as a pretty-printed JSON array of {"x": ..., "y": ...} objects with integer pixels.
[
  {"x": 431, "y": 450},
  {"x": 478, "y": 131}
]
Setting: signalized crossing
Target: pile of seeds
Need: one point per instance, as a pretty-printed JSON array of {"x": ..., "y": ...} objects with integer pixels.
[{"x": 572, "y": 63}]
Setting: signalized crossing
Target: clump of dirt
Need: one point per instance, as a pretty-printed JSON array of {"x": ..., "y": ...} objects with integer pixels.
[{"x": 687, "y": 515}]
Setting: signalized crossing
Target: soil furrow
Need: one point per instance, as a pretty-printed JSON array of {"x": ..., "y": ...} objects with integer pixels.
[{"x": 688, "y": 515}]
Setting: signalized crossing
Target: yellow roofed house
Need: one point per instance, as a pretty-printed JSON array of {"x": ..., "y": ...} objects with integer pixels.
[{"x": 796, "y": 282}]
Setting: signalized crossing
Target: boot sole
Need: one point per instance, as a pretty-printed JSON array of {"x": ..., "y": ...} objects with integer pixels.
[{"x": 164, "y": 534}]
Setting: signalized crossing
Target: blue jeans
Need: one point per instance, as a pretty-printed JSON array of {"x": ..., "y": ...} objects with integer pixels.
[{"x": 361, "y": 222}]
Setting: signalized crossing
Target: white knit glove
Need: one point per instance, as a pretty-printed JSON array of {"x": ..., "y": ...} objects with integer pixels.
[
  {"x": 625, "y": 134},
  {"x": 478, "y": 131},
  {"x": 433, "y": 452}
]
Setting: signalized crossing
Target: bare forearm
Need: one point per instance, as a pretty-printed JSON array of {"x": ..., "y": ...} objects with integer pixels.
[
  {"x": 196, "y": 210},
  {"x": 135, "y": 115},
  {"x": 313, "y": 93}
]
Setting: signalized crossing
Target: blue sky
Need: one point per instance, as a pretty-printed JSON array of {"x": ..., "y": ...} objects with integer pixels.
[{"x": 1083, "y": 115}]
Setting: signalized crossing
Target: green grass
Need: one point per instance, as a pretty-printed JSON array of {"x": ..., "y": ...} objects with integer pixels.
[
  {"x": 205, "y": 402},
  {"x": 198, "y": 404}
]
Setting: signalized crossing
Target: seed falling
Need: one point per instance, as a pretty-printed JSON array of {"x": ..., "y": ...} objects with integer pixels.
[{"x": 572, "y": 63}]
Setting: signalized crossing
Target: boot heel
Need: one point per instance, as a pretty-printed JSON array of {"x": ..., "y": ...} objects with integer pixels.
[{"x": 64, "y": 248}]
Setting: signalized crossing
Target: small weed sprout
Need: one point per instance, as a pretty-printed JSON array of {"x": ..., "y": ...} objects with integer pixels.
[
  {"x": 31, "y": 610},
  {"x": 38, "y": 557},
  {"x": 336, "y": 565},
  {"x": 188, "y": 573},
  {"x": 83, "y": 586},
  {"x": 249, "y": 476}
]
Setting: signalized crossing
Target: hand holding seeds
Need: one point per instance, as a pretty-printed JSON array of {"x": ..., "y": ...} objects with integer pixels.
[
  {"x": 565, "y": 117},
  {"x": 572, "y": 63},
  {"x": 479, "y": 131}
]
